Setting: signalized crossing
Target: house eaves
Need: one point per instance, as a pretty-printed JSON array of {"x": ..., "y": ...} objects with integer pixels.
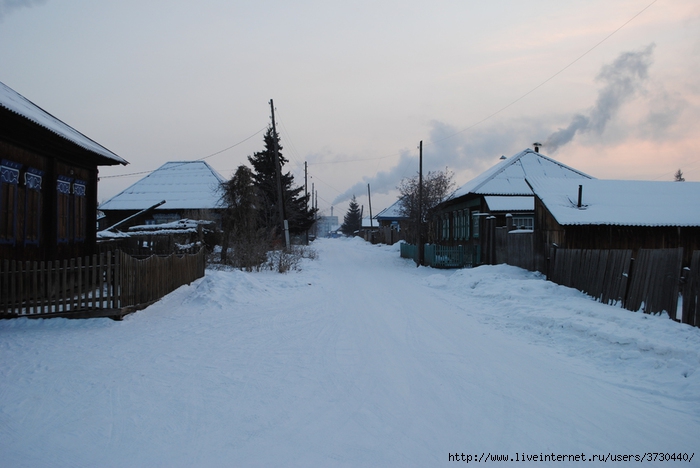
[{"x": 23, "y": 107}]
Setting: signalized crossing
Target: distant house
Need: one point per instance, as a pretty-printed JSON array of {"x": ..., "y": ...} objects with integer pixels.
[
  {"x": 499, "y": 191},
  {"x": 392, "y": 216},
  {"x": 616, "y": 214},
  {"x": 190, "y": 189},
  {"x": 393, "y": 225},
  {"x": 48, "y": 183}
]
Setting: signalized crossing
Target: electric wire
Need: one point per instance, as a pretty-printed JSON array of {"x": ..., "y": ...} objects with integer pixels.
[{"x": 178, "y": 165}]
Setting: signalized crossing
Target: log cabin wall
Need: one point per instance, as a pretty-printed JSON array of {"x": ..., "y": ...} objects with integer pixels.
[{"x": 44, "y": 219}]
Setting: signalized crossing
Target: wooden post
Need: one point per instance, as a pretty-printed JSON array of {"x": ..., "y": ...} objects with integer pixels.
[
  {"x": 419, "y": 221},
  {"x": 278, "y": 170}
]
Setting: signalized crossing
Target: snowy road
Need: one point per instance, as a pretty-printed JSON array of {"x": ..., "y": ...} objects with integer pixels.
[{"x": 360, "y": 359}]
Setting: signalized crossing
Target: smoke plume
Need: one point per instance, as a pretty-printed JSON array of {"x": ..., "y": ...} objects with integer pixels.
[
  {"x": 9, "y": 6},
  {"x": 447, "y": 147},
  {"x": 621, "y": 80}
]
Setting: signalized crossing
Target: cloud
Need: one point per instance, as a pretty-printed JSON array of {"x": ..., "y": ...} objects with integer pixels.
[
  {"x": 9, "y": 6},
  {"x": 384, "y": 181},
  {"x": 448, "y": 147},
  {"x": 621, "y": 80}
]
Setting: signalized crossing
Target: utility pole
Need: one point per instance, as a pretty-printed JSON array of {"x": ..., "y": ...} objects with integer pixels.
[
  {"x": 278, "y": 169},
  {"x": 369, "y": 197},
  {"x": 306, "y": 196},
  {"x": 420, "y": 204}
]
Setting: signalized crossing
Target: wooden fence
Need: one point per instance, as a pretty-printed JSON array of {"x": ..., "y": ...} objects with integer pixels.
[
  {"x": 691, "y": 292},
  {"x": 602, "y": 274},
  {"x": 104, "y": 285},
  {"x": 441, "y": 256},
  {"x": 147, "y": 280},
  {"x": 651, "y": 282}
]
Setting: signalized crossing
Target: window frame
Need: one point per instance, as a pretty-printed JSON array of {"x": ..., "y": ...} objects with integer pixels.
[
  {"x": 9, "y": 188},
  {"x": 32, "y": 206},
  {"x": 79, "y": 210},
  {"x": 63, "y": 209}
]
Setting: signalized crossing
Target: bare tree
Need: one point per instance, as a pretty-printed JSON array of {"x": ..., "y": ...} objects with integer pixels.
[
  {"x": 678, "y": 176},
  {"x": 437, "y": 186}
]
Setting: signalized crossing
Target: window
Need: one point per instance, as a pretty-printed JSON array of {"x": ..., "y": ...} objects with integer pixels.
[
  {"x": 466, "y": 224},
  {"x": 460, "y": 225},
  {"x": 524, "y": 222},
  {"x": 9, "y": 180},
  {"x": 32, "y": 206},
  {"x": 455, "y": 225},
  {"x": 63, "y": 208},
  {"x": 475, "y": 224},
  {"x": 79, "y": 213}
]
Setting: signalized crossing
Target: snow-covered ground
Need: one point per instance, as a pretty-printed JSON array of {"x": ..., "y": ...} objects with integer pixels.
[{"x": 360, "y": 359}]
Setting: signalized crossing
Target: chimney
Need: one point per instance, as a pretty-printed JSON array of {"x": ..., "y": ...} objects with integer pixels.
[
  {"x": 537, "y": 147},
  {"x": 580, "y": 195}
]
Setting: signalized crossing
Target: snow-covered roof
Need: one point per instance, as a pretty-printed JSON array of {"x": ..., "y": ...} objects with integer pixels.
[
  {"x": 367, "y": 222},
  {"x": 508, "y": 176},
  {"x": 15, "y": 102},
  {"x": 515, "y": 203},
  {"x": 392, "y": 212},
  {"x": 188, "y": 185},
  {"x": 620, "y": 202}
]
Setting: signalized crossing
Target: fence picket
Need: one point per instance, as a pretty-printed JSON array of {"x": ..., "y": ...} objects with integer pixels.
[{"x": 105, "y": 281}]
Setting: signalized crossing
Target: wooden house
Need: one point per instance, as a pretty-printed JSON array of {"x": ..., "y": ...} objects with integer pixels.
[
  {"x": 190, "y": 189},
  {"x": 616, "y": 214},
  {"x": 393, "y": 224},
  {"x": 48, "y": 183},
  {"x": 497, "y": 192}
]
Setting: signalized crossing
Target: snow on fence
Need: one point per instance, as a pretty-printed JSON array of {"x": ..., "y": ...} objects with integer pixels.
[
  {"x": 147, "y": 280},
  {"x": 101, "y": 285}
]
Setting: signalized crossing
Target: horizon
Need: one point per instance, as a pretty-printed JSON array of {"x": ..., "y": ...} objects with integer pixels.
[{"x": 609, "y": 89}]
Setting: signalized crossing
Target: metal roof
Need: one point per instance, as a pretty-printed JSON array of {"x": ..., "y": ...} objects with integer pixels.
[
  {"x": 18, "y": 104},
  {"x": 508, "y": 176},
  {"x": 191, "y": 185},
  {"x": 620, "y": 202}
]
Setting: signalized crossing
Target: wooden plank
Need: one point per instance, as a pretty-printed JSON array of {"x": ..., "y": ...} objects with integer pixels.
[
  {"x": 4, "y": 286},
  {"x": 110, "y": 286},
  {"x": 101, "y": 280},
  {"x": 13, "y": 286},
  {"x": 93, "y": 282},
  {"x": 35, "y": 288},
  {"x": 72, "y": 297},
  {"x": 64, "y": 285},
  {"x": 117, "y": 279},
  {"x": 42, "y": 287},
  {"x": 691, "y": 291}
]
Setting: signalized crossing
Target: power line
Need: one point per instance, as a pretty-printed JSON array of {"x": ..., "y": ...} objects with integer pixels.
[
  {"x": 548, "y": 79},
  {"x": 178, "y": 165},
  {"x": 490, "y": 116}
]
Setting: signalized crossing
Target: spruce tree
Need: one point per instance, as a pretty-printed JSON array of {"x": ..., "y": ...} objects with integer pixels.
[
  {"x": 300, "y": 218},
  {"x": 240, "y": 222},
  {"x": 352, "y": 222}
]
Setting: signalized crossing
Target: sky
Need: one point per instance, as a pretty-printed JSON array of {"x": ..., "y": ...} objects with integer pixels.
[{"x": 609, "y": 88}]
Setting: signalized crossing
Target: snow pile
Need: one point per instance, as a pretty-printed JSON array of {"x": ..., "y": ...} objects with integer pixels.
[{"x": 360, "y": 359}]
